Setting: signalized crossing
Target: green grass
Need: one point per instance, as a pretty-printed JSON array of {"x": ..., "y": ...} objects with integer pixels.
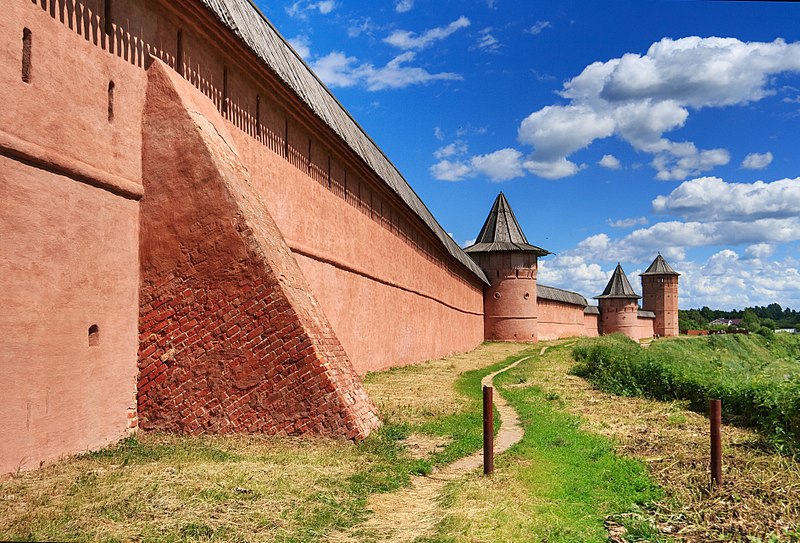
[
  {"x": 559, "y": 484},
  {"x": 757, "y": 379}
]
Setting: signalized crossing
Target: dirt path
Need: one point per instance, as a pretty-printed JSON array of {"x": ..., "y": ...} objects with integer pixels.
[{"x": 407, "y": 514}]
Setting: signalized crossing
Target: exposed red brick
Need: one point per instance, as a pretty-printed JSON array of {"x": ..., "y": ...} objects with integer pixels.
[{"x": 225, "y": 346}]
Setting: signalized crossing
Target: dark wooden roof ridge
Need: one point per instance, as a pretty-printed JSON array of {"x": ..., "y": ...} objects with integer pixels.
[
  {"x": 560, "y": 295},
  {"x": 659, "y": 267},
  {"x": 246, "y": 21},
  {"x": 618, "y": 286},
  {"x": 501, "y": 232}
]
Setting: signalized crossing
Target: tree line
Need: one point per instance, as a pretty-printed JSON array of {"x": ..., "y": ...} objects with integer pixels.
[{"x": 771, "y": 317}]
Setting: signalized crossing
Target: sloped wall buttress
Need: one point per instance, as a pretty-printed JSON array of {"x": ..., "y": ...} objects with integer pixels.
[{"x": 231, "y": 339}]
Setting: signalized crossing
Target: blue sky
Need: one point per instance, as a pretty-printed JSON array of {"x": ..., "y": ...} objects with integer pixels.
[{"x": 616, "y": 129}]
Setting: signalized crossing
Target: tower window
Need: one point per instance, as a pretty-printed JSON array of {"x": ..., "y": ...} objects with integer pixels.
[
  {"x": 94, "y": 335},
  {"x": 26, "y": 55},
  {"x": 111, "y": 101}
]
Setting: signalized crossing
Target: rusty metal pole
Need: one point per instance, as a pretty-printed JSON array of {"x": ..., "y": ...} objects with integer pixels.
[
  {"x": 715, "y": 416},
  {"x": 488, "y": 432}
]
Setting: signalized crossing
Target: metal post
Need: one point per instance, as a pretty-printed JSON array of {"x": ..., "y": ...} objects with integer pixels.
[
  {"x": 488, "y": 432},
  {"x": 715, "y": 416}
]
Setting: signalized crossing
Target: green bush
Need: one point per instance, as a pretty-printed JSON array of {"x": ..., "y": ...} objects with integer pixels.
[{"x": 756, "y": 377}]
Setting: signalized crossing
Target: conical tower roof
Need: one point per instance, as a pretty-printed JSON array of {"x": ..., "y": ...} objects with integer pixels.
[
  {"x": 618, "y": 286},
  {"x": 659, "y": 267},
  {"x": 501, "y": 232}
]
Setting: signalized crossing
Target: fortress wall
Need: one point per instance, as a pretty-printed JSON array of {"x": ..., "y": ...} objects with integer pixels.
[
  {"x": 69, "y": 187},
  {"x": 591, "y": 324},
  {"x": 71, "y": 146},
  {"x": 68, "y": 264},
  {"x": 645, "y": 327},
  {"x": 560, "y": 320}
]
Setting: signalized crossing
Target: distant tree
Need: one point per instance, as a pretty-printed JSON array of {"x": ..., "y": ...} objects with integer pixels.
[
  {"x": 750, "y": 320},
  {"x": 768, "y": 323}
]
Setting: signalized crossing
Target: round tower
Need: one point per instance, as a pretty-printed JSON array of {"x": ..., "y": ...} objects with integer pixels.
[
  {"x": 660, "y": 295},
  {"x": 510, "y": 263},
  {"x": 619, "y": 306}
]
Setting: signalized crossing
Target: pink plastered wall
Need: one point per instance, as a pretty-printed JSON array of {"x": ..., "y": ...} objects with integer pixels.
[
  {"x": 68, "y": 265},
  {"x": 560, "y": 320}
]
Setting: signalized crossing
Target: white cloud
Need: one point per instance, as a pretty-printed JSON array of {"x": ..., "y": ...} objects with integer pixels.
[
  {"x": 300, "y": 8},
  {"x": 539, "y": 26},
  {"x": 457, "y": 148},
  {"x": 712, "y": 199},
  {"x": 552, "y": 169},
  {"x": 438, "y": 133},
  {"x": 446, "y": 170},
  {"x": 405, "y": 39},
  {"x": 339, "y": 70},
  {"x": 302, "y": 45},
  {"x": 610, "y": 161},
  {"x": 558, "y": 131},
  {"x": 627, "y": 223},
  {"x": 403, "y": 6},
  {"x": 360, "y": 26},
  {"x": 757, "y": 161},
  {"x": 487, "y": 42},
  {"x": 498, "y": 166},
  {"x": 640, "y": 98},
  {"x": 760, "y": 250},
  {"x": 501, "y": 165}
]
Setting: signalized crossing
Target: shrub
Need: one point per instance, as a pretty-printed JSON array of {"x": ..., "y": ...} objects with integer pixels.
[{"x": 757, "y": 388}]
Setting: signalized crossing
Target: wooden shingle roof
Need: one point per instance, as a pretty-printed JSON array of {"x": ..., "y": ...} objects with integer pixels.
[
  {"x": 502, "y": 232},
  {"x": 659, "y": 267},
  {"x": 560, "y": 295},
  {"x": 246, "y": 21},
  {"x": 618, "y": 286}
]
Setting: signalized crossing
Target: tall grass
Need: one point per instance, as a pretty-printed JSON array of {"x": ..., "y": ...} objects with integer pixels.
[{"x": 758, "y": 380}]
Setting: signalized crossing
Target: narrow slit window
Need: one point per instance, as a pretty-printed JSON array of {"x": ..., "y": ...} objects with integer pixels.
[
  {"x": 111, "y": 101},
  {"x": 27, "y": 36}
]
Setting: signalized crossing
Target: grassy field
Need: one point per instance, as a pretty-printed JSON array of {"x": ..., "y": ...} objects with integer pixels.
[
  {"x": 253, "y": 488},
  {"x": 571, "y": 478},
  {"x": 758, "y": 380}
]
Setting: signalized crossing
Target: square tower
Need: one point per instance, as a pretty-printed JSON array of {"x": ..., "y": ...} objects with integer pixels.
[{"x": 660, "y": 295}]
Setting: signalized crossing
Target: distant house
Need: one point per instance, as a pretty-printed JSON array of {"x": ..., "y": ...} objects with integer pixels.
[
  {"x": 725, "y": 322},
  {"x": 786, "y": 331}
]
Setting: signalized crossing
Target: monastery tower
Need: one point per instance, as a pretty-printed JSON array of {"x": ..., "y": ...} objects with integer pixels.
[
  {"x": 510, "y": 264},
  {"x": 660, "y": 295},
  {"x": 619, "y": 306}
]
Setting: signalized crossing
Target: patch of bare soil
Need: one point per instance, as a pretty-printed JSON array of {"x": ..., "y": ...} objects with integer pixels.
[
  {"x": 760, "y": 494},
  {"x": 419, "y": 446},
  {"x": 412, "y": 512}
]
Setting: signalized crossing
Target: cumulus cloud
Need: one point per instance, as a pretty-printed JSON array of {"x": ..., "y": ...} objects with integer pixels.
[
  {"x": 302, "y": 45},
  {"x": 457, "y": 148},
  {"x": 712, "y": 199},
  {"x": 759, "y": 250},
  {"x": 498, "y": 166},
  {"x": 610, "y": 161},
  {"x": 446, "y": 170},
  {"x": 337, "y": 69},
  {"x": 501, "y": 165},
  {"x": 402, "y": 6},
  {"x": 640, "y": 98},
  {"x": 757, "y": 161},
  {"x": 407, "y": 40}
]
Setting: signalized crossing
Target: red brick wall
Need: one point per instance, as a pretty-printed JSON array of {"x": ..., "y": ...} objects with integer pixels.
[{"x": 231, "y": 339}]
